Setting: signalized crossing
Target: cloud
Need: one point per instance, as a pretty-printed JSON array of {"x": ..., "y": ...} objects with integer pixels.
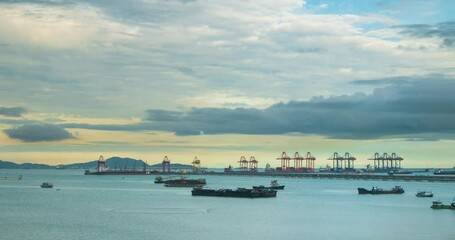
[
  {"x": 93, "y": 55},
  {"x": 60, "y": 25},
  {"x": 38, "y": 132},
  {"x": 12, "y": 111},
  {"x": 444, "y": 30},
  {"x": 405, "y": 108}
]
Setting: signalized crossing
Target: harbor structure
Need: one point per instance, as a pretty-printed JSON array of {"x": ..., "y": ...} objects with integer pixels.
[
  {"x": 166, "y": 164},
  {"x": 284, "y": 162},
  {"x": 196, "y": 165},
  {"x": 342, "y": 162},
  {"x": 303, "y": 163},
  {"x": 386, "y": 162},
  {"x": 243, "y": 164},
  {"x": 253, "y": 164},
  {"x": 309, "y": 162},
  {"x": 101, "y": 164},
  {"x": 298, "y": 162}
]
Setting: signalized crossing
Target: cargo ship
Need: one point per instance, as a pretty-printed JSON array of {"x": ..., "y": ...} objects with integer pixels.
[
  {"x": 274, "y": 185},
  {"x": 238, "y": 193},
  {"x": 376, "y": 190}
]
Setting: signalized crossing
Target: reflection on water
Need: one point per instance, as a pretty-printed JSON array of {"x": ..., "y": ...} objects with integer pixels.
[{"x": 133, "y": 207}]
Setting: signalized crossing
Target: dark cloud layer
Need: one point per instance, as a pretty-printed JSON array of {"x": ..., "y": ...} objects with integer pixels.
[
  {"x": 12, "y": 111},
  {"x": 409, "y": 107},
  {"x": 412, "y": 107},
  {"x": 38, "y": 132},
  {"x": 444, "y": 30}
]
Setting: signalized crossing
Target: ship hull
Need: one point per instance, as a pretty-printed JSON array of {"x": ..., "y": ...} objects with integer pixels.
[
  {"x": 185, "y": 183},
  {"x": 380, "y": 191},
  {"x": 269, "y": 188},
  {"x": 119, "y": 172},
  {"x": 239, "y": 193}
]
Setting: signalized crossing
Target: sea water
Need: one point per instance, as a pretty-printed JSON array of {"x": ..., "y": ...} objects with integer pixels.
[{"x": 133, "y": 207}]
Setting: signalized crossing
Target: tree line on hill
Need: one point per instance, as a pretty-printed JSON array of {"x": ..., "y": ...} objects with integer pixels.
[{"x": 111, "y": 163}]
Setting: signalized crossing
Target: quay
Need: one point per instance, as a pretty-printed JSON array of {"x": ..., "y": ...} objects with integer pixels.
[
  {"x": 406, "y": 178},
  {"x": 342, "y": 176},
  {"x": 249, "y": 168}
]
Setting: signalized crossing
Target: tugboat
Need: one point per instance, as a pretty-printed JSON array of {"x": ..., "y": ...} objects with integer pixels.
[
  {"x": 376, "y": 190},
  {"x": 439, "y": 205},
  {"x": 47, "y": 185},
  {"x": 239, "y": 192},
  {"x": 424, "y": 194},
  {"x": 273, "y": 185}
]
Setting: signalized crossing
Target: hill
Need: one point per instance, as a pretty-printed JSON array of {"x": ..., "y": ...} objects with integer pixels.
[
  {"x": 11, "y": 165},
  {"x": 111, "y": 163}
]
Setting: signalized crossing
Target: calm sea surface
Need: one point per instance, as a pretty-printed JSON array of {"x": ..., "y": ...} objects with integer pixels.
[{"x": 133, "y": 207}]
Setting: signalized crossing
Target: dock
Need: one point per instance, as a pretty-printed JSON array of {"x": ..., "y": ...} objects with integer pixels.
[{"x": 373, "y": 177}]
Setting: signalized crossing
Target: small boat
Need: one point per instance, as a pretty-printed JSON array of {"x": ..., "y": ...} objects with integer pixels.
[
  {"x": 273, "y": 185},
  {"x": 47, "y": 185},
  {"x": 439, "y": 205},
  {"x": 424, "y": 194},
  {"x": 239, "y": 193},
  {"x": 376, "y": 190}
]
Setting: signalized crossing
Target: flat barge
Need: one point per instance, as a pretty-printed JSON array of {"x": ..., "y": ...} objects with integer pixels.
[
  {"x": 185, "y": 182},
  {"x": 119, "y": 172},
  {"x": 238, "y": 193},
  {"x": 376, "y": 190}
]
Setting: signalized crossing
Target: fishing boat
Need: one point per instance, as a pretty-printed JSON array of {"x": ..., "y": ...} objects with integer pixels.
[
  {"x": 376, "y": 190},
  {"x": 274, "y": 185},
  {"x": 440, "y": 205},
  {"x": 239, "y": 193},
  {"x": 47, "y": 185},
  {"x": 424, "y": 194}
]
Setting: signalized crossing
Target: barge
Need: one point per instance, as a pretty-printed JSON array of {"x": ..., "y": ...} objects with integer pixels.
[
  {"x": 239, "y": 193},
  {"x": 274, "y": 185},
  {"x": 424, "y": 194},
  {"x": 183, "y": 182},
  {"x": 376, "y": 190}
]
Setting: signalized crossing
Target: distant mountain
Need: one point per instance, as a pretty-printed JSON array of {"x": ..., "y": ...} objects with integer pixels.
[
  {"x": 11, "y": 165},
  {"x": 111, "y": 163}
]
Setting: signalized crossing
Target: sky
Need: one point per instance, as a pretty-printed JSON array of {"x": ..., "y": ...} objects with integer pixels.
[{"x": 224, "y": 79}]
